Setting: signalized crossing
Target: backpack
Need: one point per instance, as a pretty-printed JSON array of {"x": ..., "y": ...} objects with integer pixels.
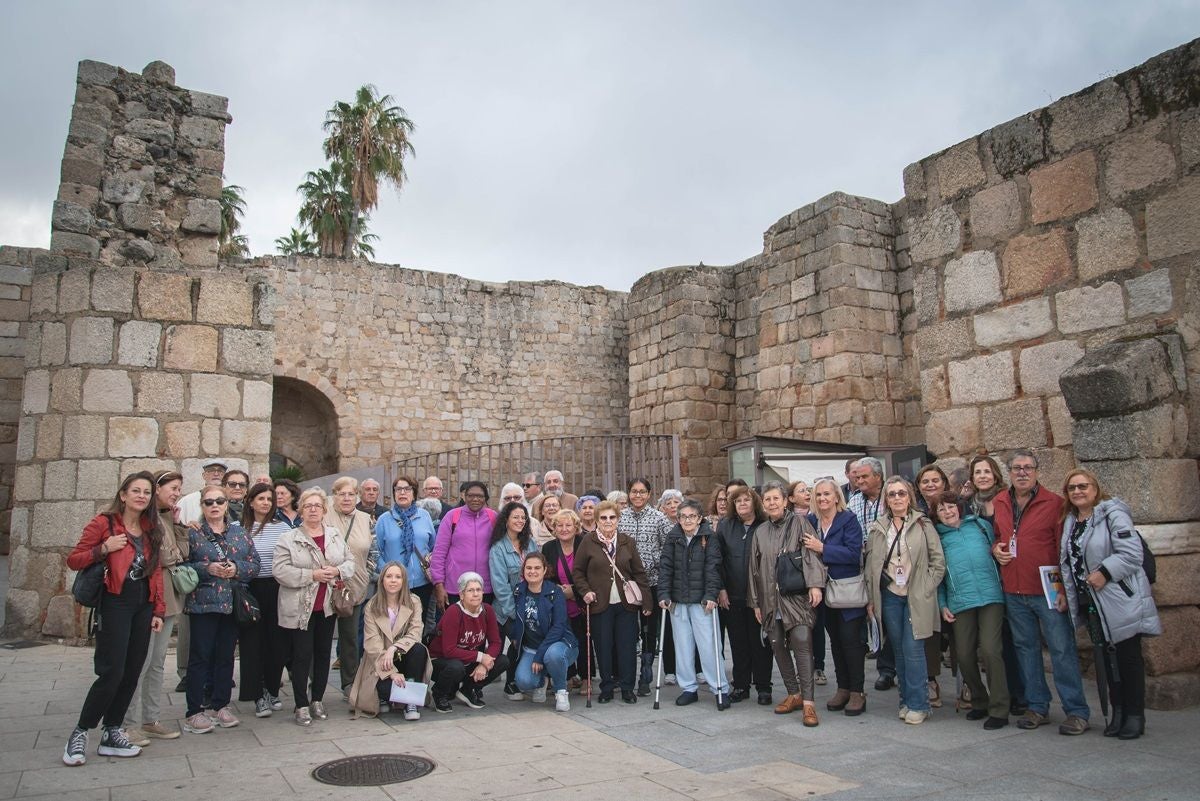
[{"x": 1148, "y": 564}]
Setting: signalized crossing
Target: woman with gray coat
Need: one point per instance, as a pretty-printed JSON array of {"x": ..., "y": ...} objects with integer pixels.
[{"x": 1101, "y": 560}]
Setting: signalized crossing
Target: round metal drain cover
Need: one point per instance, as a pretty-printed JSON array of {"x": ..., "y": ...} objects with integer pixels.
[{"x": 373, "y": 769}]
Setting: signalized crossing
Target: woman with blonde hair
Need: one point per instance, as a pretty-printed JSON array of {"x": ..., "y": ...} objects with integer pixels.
[
  {"x": 392, "y": 650},
  {"x": 560, "y": 558},
  {"x": 355, "y": 526}
]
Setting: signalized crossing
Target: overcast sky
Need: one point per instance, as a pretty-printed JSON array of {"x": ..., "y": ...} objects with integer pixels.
[{"x": 586, "y": 142}]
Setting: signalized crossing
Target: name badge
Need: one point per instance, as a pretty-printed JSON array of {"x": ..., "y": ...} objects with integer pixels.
[
  {"x": 901, "y": 577},
  {"x": 1012, "y": 546}
]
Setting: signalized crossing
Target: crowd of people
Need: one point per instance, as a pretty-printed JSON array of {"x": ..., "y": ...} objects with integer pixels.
[{"x": 549, "y": 591}]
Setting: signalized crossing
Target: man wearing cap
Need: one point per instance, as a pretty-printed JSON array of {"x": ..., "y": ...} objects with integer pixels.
[{"x": 188, "y": 510}]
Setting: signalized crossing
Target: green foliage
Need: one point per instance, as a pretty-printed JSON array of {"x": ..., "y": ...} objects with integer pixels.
[
  {"x": 230, "y": 243},
  {"x": 291, "y": 471},
  {"x": 297, "y": 243}
]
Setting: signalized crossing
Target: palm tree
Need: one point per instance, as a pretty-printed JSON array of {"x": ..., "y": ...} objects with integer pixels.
[
  {"x": 296, "y": 243},
  {"x": 370, "y": 138},
  {"x": 363, "y": 249},
  {"x": 327, "y": 210},
  {"x": 230, "y": 243}
]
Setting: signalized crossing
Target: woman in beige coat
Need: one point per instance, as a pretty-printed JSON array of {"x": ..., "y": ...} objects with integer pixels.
[
  {"x": 904, "y": 565},
  {"x": 392, "y": 648},
  {"x": 355, "y": 526},
  {"x": 787, "y": 620},
  {"x": 310, "y": 561}
]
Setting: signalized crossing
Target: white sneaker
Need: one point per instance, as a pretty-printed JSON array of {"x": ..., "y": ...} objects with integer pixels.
[
  {"x": 76, "y": 751},
  {"x": 669, "y": 680},
  {"x": 539, "y": 695},
  {"x": 915, "y": 717},
  {"x": 562, "y": 701},
  {"x": 412, "y": 712}
]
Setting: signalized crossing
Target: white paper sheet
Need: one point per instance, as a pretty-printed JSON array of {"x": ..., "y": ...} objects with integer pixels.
[{"x": 412, "y": 692}]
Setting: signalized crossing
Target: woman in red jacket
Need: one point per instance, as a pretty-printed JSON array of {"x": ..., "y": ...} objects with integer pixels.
[{"x": 127, "y": 538}]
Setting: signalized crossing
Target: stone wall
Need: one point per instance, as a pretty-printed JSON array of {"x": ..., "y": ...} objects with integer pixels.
[{"x": 16, "y": 276}]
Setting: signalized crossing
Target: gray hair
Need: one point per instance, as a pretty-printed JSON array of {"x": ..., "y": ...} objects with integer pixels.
[
  {"x": 557, "y": 473},
  {"x": 871, "y": 462},
  {"x": 1020, "y": 453},
  {"x": 693, "y": 505},
  {"x": 533, "y": 476},
  {"x": 775, "y": 485},
  {"x": 467, "y": 578},
  {"x": 432, "y": 507},
  {"x": 669, "y": 494},
  {"x": 617, "y": 496},
  {"x": 515, "y": 487},
  {"x": 363, "y": 485}
]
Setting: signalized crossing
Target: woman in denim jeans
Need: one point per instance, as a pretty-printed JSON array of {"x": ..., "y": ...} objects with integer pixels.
[{"x": 544, "y": 643}]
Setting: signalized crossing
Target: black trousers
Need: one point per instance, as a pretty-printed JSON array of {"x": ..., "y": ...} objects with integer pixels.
[
  {"x": 818, "y": 642},
  {"x": 885, "y": 659},
  {"x": 210, "y": 660},
  {"x": 1130, "y": 692},
  {"x": 310, "y": 649},
  {"x": 615, "y": 635},
  {"x": 121, "y": 645},
  {"x": 263, "y": 645},
  {"x": 848, "y": 645},
  {"x": 412, "y": 665},
  {"x": 451, "y": 675},
  {"x": 752, "y": 659}
]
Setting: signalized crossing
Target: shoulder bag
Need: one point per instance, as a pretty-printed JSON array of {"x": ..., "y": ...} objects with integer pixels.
[
  {"x": 631, "y": 591},
  {"x": 343, "y": 602},
  {"x": 184, "y": 578},
  {"x": 245, "y": 605},
  {"x": 88, "y": 587},
  {"x": 789, "y": 572}
]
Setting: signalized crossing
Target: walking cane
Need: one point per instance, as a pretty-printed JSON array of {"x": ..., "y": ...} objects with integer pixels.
[
  {"x": 588, "y": 612},
  {"x": 662, "y": 632},
  {"x": 717, "y": 654}
]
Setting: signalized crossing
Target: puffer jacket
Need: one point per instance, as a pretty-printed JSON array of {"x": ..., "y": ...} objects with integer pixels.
[
  {"x": 690, "y": 572},
  {"x": 505, "y": 566},
  {"x": 735, "y": 538},
  {"x": 1125, "y": 603},
  {"x": 212, "y": 594},
  {"x": 972, "y": 579},
  {"x": 296, "y": 556}
]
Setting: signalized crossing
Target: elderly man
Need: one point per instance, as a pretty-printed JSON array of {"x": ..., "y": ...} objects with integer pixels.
[
  {"x": 432, "y": 488},
  {"x": 867, "y": 505},
  {"x": 368, "y": 500},
  {"x": 554, "y": 486},
  {"x": 531, "y": 483},
  {"x": 1027, "y": 537}
]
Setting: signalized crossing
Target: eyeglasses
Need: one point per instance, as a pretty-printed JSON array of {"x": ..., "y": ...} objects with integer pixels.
[
  {"x": 403, "y": 488},
  {"x": 347, "y": 494},
  {"x": 689, "y": 517},
  {"x": 530, "y": 484},
  {"x": 608, "y": 517},
  {"x": 639, "y": 492},
  {"x": 898, "y": 494},
  {"x": 512, "y": 499},
  {"x": 213, "y": 501},
  {"x": 1024, "y": 468},
  {"x": 313, "y": 506},
  {"x": 236, "y": 484},
  {"x": 1078, "y": 487}
]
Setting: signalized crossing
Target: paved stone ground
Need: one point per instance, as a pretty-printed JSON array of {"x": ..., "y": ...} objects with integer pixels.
[{"x": 511, "y": 750}]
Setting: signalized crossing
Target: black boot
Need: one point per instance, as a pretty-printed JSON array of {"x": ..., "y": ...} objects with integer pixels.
[
  {"x": 1133, "y": 727},
  {"x": 1115, "y": 723}
]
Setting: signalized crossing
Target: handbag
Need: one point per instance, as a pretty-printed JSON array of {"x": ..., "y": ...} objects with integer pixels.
[
  {"x": 630, "y": 590},
  {"x": 847, "y": 593},
  {"x": 343, "y": 603},
  {"x": 789, "y": 572},
  {"x": 184, "y": 578},
  {"x": 245, "y": 605},
  {"x": 88, "y": 586}
]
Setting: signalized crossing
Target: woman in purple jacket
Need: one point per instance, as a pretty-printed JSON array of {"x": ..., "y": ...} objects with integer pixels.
[{"x": 462, "y": 544}]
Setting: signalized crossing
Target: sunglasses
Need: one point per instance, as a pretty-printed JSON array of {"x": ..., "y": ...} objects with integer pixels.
[
  {"x": 213, "y": 501},
  {"x": 527, "y": 486},
  {"x": 1077, "y": 487},
  {"x": 236, "y": 484},
  {"x": 898, "y": 494}
]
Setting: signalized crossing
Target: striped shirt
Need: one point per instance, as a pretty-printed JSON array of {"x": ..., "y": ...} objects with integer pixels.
[{"x": 264, "y": 544}]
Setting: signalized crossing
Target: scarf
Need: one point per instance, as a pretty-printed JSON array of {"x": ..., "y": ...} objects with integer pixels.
[
  {"x": 610, "y": 545},
  {"x": 403, "y": 518}
]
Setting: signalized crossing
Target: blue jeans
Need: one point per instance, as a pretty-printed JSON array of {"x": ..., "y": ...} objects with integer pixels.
[
  {"x": 1026, "y": 614},
  {"x": 559, "y": 656},
  {"x": 911, "y": 672},
  {"x": 692, "y": 630}
]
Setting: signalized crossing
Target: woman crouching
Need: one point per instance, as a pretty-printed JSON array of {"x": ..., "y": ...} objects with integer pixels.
[{"x": 392, "y": 649}]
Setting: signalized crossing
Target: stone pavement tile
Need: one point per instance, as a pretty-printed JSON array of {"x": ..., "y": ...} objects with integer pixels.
[
  {"x": 8, "y": 784},
  {"x": 30, "y": 706},
  {"x": 59, "y": 723},
  {"x": 92, "y": 794},
  {"x": 701, "y": 786},
  {"x": 101, "y": 772},
  {"x": 18, "y": 760},
  {"x": 663, "y": 736},
  {"x": 1179, "y": 788},
  {"x": 229, "y": 785},
  {"x": 1014, "y": 786},
  {"x": 279, "y": 729},
  {"x": 1106, "y": 769},
  {"x": 218, "y": 741},
  {"x": 479, "y": 754},
  {"x": 275, "y": 756},
  {"x": 18, "y": 741},
  {"x": 34, "y": 682},
  {"x": 609, "y": 763},
  {"x": 486, "y": 783},
  {"x": 791, "y": 779},
  {"x": 756, "y": 793},
  {"x": 622, "y": 789},
  {"x": 415, "y": 735}
]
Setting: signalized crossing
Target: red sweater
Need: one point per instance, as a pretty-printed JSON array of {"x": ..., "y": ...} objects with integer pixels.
[
  {"x": 87, "y": 552},
  {"x": 460, "y": 636},
  {"x": 1037, "y": 539}
]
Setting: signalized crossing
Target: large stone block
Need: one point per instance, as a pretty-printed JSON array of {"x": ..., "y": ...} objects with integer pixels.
[
  {"x": 1173, "y": 691},
  {"x": 1157, "y": 490},
  {"x": 214, "y": 395},
  {"x": 1119, "y": 377},
  {"x": 972, "y": 281},
  {"x": 953, "y": 431},
  {"x": 982, "y": 379},
  {"x": 1017, "y": 145},
  {"x": 1176, "y": 584},
  {"x": 183, "y": 439},
  {"x": 203, "y": 217},
  {"x": 65, "y": 389},
  {"x": 1016, "y": 424},
  {"x": 36, "y": 394},
  {"x": 1094, "y": 113},
  {"x": 91, "y": 340},
  {"x": 1148, "y": 434},
  {"x": 959, "y": 169},
  {"x": 27, "y": 482},
  {"x": 202, "y": 132},
  {"x": 239, "y": 436},
  {"x": 1173, "y": 221},
  {"x": 225, "y": 301},
  {"x": 138, "y": 344},
  {"x": 1018, "y": 322},
  {"x": 1034, "y": 262},
  {"x": 160, "y": 392},
  {"x": 165, "y": 297},
  {"x": 57, "y": 524},
  {"x": 54, "y": 344},
  {"x": 98, "y": 479},
  {"x": 85, "y": 436},
  {"x": 139, "y": 217},
  {"x": 112, "y": 290},
  {"x": 1178, "y": 647},
  {"x": 107, "y": 391},
  {"x": 132, "y": 436},
  {"x": 1042, "y": 365},
  {"x": 1150, "y": 294},
  {"x": 1062, "y": 427},
  {"x": 996, "y": 211},
  {"x": 934, "y": 235},
  {"x": 68, "y": 216},
  {"x": 1137, "y": 160},
  {"x": 257, "y": 399},
  {"x": 1107, "y": 243},
  {"x": 1064, "y": 188},
  {"x": 62, "y": 618},
  {"x": 74, "y": 291},
  {"x": 191, "y": 347},
  {"x": 1088, "y": 308},
  {"x": 935, "y": 390},
  {"x": 949, "y": 339},
  {"x": 248, "y": 351}
]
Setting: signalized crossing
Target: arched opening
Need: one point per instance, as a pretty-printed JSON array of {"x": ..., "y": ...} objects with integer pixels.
[{"x": 304, "y": 429}]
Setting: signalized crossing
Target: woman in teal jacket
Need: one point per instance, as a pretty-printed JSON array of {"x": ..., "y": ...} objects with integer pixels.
[
  {"x": 971, "y": 598},
  {"x": 512, "y": 539}
]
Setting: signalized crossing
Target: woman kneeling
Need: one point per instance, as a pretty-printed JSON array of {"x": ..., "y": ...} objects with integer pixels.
[
  {"x": 544, "y": 643},
  {"x": 392, "y": 649}
]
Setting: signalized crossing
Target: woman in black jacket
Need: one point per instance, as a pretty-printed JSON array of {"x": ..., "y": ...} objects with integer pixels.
[
  {"x": 560, "y": 556},
  {"x": 751, "y": 656}
]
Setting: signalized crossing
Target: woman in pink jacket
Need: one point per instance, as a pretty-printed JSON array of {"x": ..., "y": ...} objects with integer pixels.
[{"x": 462, "y": 544}]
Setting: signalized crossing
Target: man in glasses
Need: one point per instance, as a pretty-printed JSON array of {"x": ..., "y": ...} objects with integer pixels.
[
  {"x": 531, "y": 483},
  {"x": 431, "y": 487},
  {"x": 1027, "y": 537}
]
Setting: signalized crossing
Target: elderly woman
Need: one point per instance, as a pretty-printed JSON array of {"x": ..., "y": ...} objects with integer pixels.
[
  {"x": 1107, "y": 590},
  {"x": 560, "y": 559},
  {"x": 648, "y": 528},
  {"x": 173, "y": 551},
  {"x": 838, "y": 540},
  {"x": 355, "y": 527},
  {"x": 585, "y": 511},
  {"x": 799, "y": 497},
  {"x": 688, "y": 581},
  {"x": 751, "y": 656},
  {"x": 511, "y": 541},
  {"x": 543, "y": 641},
  {"x": 126, "y": 538},
  {"x": 310, "y": 562},
  {"x": 786, "y": 619},
  {"x": 462, "y": 543},
  {"x": 970, "y": 597},
  {"x": 904, "y": 565},
  {"x": 466, "y": 648},
  {"x": 287, "y": 499},
  {"x": 221, "y": 553},
  {"x": 609, "y": 573},
  {"x": 543, "y": 524},
  {"x": 261, "y": 646},
  {"x": 392, "y": 650},
  {"x": 668, "y": 504},
  {"x": 620, "y": 498},
  {"x": 405, "y": 534}
]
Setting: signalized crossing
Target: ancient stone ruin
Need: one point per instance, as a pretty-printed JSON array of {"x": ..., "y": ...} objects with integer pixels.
[{"x": 1036, "y": 286}]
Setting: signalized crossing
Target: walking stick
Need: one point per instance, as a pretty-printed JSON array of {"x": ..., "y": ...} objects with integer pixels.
[
  {"x": 588, "y": 612},
  {"x": 662, "y": 632},
  {"x": 717, "y": 655}
]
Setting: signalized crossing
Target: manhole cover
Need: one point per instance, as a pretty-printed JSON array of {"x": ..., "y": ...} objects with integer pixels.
[
  {"x": 373, "y": 769},
  {"x": 17, "y": 645}
]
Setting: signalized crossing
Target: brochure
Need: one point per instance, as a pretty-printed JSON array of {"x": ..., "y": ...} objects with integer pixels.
[
  {"x": 1052, "y": 584},
  {"x": 413, "y": 692}
]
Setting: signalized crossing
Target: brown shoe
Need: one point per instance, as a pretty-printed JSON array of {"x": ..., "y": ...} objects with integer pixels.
[
  {"x": 810, "y": 715},
  {"x": 790, "y": 703},
  {"x": 838, "y": 702},
  {"x": 857, "y": 704}
]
